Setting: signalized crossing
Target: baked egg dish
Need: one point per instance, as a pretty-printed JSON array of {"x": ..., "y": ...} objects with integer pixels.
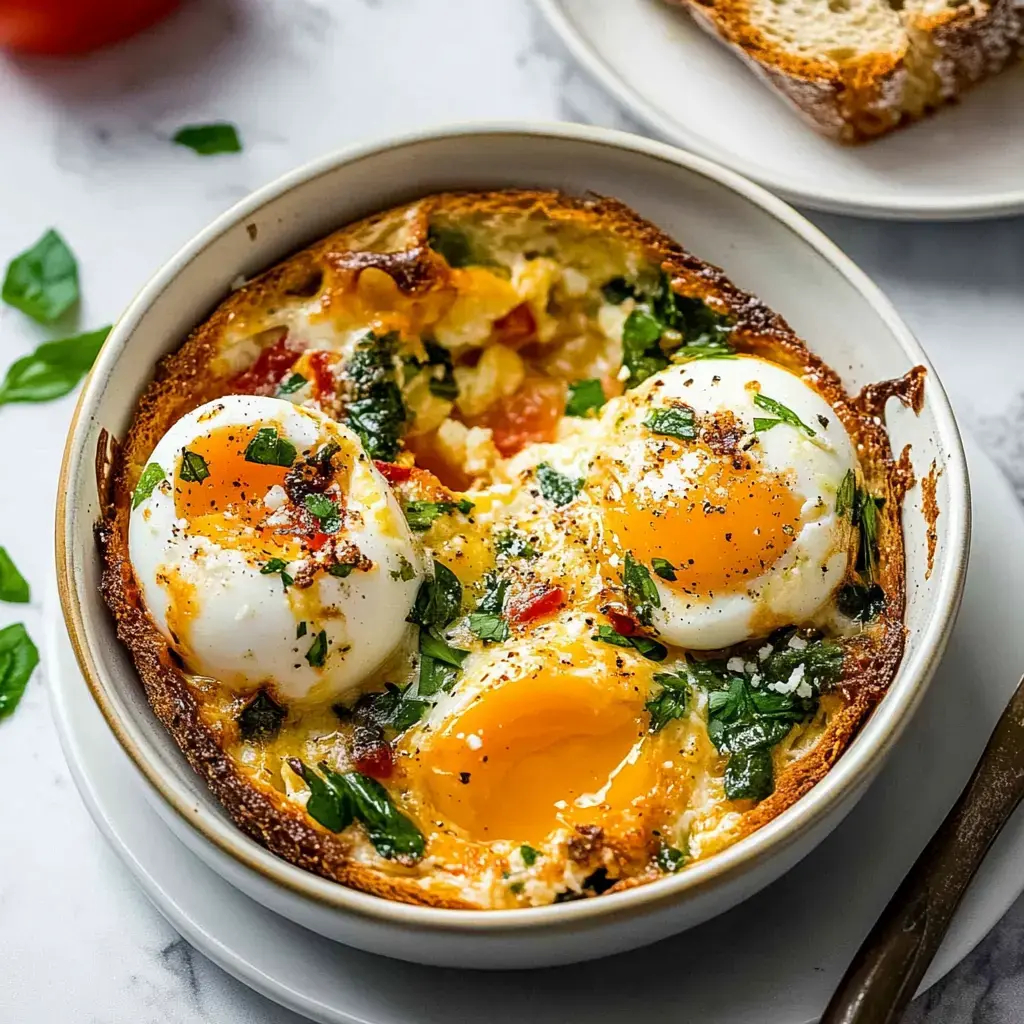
[{"x": 495, "y": 551}]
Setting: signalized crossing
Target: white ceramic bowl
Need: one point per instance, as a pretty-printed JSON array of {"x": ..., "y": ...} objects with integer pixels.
[{"x": 766, "y": 248}]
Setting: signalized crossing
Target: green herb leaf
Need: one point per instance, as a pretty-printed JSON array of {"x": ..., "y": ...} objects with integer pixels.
[
  {"x": 669, "y": 859},
  {"x": 445, "y": 385},
  {"x": 341, "y": 570},
  {"x": 750, "y": 774},
  {"x": 405, "y": 571},
  {"x": 43, "y": 280},
  {"x": 152, "y": 475},
  {"x": 556, "y": 487},
  {"x": 711, "y": 350},
  {"x": 376, "y": 410},
  {"x": 488, "y": 626},
  {"x": 584, "y": 396},
  {"x": 676, "y": 421},
  {"x": 193, "y": 467},
  {"x": 650, "y": 649},
  {"x": 261, "y": 718},
  {"x": 617, "y": 290},
  {"x": 672, "y": 702},
  {"x": 277, "y": 565},
  {"x": 13, "y": 586},
  {"x": 292, "y": 384},
  {"x": 529, "y": 855},
  {"x": 397, "y": 708},
  {"x": 641, "y": 591},
  {"x": 453, "y": 245},
  {"x": 866, "y": 517},
  {"x": 300, "y": 630},
  {"x": 664, "y": 568},
  {"x": 324, "y": 510},
  {"x": 53, "y": 369},
  {"x": 439, "y": 599},
  {"x": 434, "y": 646},
  {"x": 513, "y": 544},
  {"x": 317, "y": 653},
  {"x": 209, "y": 139},
  {"x": 641, "y": 353},
  {"x": 329, "y": 804},
  {"x": 859, "y": 601},
  {"x": 268, "y": 448},
  {"x": 846, "y": 495},
  {"x": 782, "y": 414},
  {"x": 421, "y": 514},
  {"x": 18, "y": 658}
]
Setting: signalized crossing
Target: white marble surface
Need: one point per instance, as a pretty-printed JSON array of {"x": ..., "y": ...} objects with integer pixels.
[{"x": 84, "y": 148}]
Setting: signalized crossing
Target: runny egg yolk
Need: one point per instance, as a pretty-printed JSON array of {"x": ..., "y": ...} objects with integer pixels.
[
  {"x": 545, "y": 750},
  {"x": 720, "y": 529},
  {"x": 227, "y": 505}
]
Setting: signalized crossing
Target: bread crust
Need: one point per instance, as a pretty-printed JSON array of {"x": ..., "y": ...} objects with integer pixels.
[
  {"x": 185, "y": 379},
  {"x": 860, "y": 99}
]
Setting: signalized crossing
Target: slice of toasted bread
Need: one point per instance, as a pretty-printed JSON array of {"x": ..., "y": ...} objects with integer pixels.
[{"x": 857, "y": 69}]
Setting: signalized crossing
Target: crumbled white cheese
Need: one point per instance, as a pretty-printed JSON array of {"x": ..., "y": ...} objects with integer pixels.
[
  {"x": 764, "y": 652},
  {"x": 796, "y": 677},
  {"x": 473, "y": 741},
  {"x": 735, "y": 665},
  {"x": 275, "y": 497},
  {"x": 798, "y": 643}
]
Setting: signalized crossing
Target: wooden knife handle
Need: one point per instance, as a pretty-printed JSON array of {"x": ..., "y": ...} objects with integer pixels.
[{"x": 889, "y": 966}]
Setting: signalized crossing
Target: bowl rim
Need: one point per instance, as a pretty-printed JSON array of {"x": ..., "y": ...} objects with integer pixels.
[{"x": 851, "y": 773}]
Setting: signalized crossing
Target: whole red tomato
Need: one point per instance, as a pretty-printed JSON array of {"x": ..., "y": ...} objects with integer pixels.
[{"x": 74, "y": 26}]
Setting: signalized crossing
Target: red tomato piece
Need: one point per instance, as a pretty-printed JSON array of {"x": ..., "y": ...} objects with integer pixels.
[
  {"x": 375, "y": 760},
  {"x": 536, "y": 602},
  {"x": 530, "y": 414},
  {"x": 266, "y": 373},
  {"x": 323, "y": 374},
  {"x": 516, "y": 328},
  {"x": 623, "y": 624},
  {"x": 318, "y": 540},
  {"x": 392, "y": 471}
]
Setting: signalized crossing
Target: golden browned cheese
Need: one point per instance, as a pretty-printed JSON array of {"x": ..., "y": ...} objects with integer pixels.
[{"x": 514, "y": 341}]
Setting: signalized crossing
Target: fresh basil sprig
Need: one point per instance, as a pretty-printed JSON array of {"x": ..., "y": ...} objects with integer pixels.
[
  {"x": 13, "y": 586},
  {"x": 53, "y": 369},
  {"x": 209, "y": 139},
  {"x": 43, "y": 280},
  {"x": 18, "y": 659}
]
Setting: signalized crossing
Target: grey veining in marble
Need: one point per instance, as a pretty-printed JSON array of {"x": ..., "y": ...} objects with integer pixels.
[{"x": 85, "y": 148}]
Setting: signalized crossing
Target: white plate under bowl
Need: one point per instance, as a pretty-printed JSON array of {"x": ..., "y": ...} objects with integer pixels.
[
  {"x": 772, "y": 960},
  {"x": 963, "y": 163}
]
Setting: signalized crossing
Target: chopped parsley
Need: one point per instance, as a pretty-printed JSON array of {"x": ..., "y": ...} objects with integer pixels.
[
  {"x": 405, "y": 570},
  {"x": 513, "y": 544},
  {"x": 664, "y": 568},
  {"x": 325, "y": 511},
  {"x": 268, "y": 448},
  {"x": 18, "y": 659},
  {"x": 375, "y": 410},
  {"x": 438, "y": 604},
  {"x": 261, "y": 718},
  {"x": 275, "y": 566},
  {"x": 421, "y": 514},
  {"x": 649, "y": 648},
  {"x": 669, "y": 859},
  {"x": 317, "y": 653},
  {"x": 193, "y": 467},
  {"x": 292, "y": 384},
  {"x": 152, "y": 475},
  {"x": 641, "y": 591},
  {"x": 846, "y": 495},
  {"x": 678, "y": 421},
  {"x": 439, "y": 599},
  {"x": 556, "y": 487},
  {"x": 529, "y": 855},
  {"x": 43, "y": 281},
  {"x": 13, "y": 586},
  {"x": 671, "y": 702},
  {"x": 209, "y": 139},
  {"x": 452, "y": 244},
  {"x": 342, "y": 570},
  {"x": 585, "y": 396},
  {"x": 394, "y": 707},
  {"x": 488, "y": 622},
  {"x": 780, "y": 414},
  {"x": 53, "y": 369}
]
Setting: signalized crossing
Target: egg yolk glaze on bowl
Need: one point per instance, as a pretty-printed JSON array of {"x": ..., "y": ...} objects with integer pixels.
[{"x": 495, "y": 551}]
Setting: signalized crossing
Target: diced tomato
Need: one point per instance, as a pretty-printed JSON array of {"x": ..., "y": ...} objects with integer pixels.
[
  {"x": 377, "y": 761},
  {"x": 392, "y": 471},
  {"x": 266, "y": 373},
  {"x": 326, "y": 383},
  {"x": 623, "y": 624},
  {"x": 517, "y": 328},
  {"x": 318, "y": 540},
  {"x": 536, "y": 602},
  {"x": 530, "y": 414}
]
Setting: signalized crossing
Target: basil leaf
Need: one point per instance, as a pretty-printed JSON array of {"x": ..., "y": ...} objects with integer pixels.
[
  {"x": 846, "y": 495},
  {"x": 396, "y": 708},
  {"x": 13, "y": 586},
  {"x": 331, "y": 805},
  {"x": 325, "y": 511},
  {"x": 439, "y": 599},
  {"x": 152, "y": 475},
  {"x": 529, "y": 855},
  {"x": 376, "y": 410},
  {"x": 584, "y": 396},
  {"x": 650, "y": 649},
  {"x": 677, "y": 421},
  {"x": 859, "y": 601},
  {"x": 275, "y": 566},
  {"x": 435, "y": 647},
  {"x": 317, "y": 653},
  {"x": 294, "y": 383},
  {"x": 453, "y": 245},
  {"x": 53, "y": 369},
  {"x": 43, "y": 281},
  {"x": 488, "y": 626},
  {"x": 421, "y": 514},
  {"x": 664, "y": 568},
  {"x": 341, "y": 570},
  {"x": 556, "y": 487},
  {"x": 193, "y": 467},
  {"x": 782, "y": 414},
  {"x": 669, "y": 859},
  {"x": 393, "y": 835},
  {"x": 18, "y": 657},
  {"x": 268, "y": 448},
  {"x": 641, "y": 591},
  {"x": 672, "y": 701},
  {"x": 209, "y": 139},
  {"x": 261, "y": 718}
]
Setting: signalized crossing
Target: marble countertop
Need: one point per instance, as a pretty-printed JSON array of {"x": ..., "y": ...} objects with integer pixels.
[{"x": 85, "y": 149}]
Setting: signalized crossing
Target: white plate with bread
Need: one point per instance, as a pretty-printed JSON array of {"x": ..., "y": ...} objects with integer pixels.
[{"x": 877, "y": 108}]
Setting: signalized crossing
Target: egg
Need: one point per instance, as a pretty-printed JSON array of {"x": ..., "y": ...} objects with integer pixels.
[
  {"x": 270, "y": 552},
  {"x": 719, "y": 477}
]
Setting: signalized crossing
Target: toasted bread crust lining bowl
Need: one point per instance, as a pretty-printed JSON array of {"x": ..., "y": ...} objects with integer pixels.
[{"x": 723, "y": 865}]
